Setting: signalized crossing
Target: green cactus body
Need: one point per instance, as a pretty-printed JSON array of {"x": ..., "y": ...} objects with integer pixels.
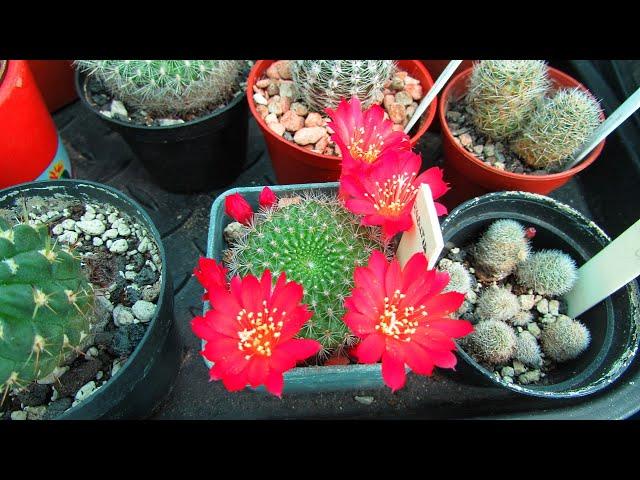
[
  {"x": 323, "y": 83},
  {"x": 565, "y": 339},
  {"x": 503, "y": 95},
  {"x": 44, "y": 298},
  {"x": 501, "y": 248},
  {"x": 491, "y": 341},
  {"x": 497, "y": 303},
  {"x": 557, "y": 129},
  {"x": 165, "y": 87},
  {"x": 317, "y": 243},
  {"x": 548, "y": 272}
]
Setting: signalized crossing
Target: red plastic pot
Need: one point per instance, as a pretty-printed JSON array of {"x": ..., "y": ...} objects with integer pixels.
[
  {"x": 29, "y": 143},
  {"x": 469, "y": 176},
  {"x": 55, "y": 79},
  {"x": 294, "y": 164}
]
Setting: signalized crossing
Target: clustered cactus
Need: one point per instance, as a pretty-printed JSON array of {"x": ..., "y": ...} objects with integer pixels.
[
  {"x": 497, "y": 303},
  {"x": 459, "y": 277},
  {"x": 44, "y": 301},
  {"x": 323, "y": 83},
  {"x": 166, "y": 87},
  {"x": 548, "y": 272},
  {"x": 528, "y": 350},
  {"x": 491, "y": 341},
  {"x": 560, "y": 126},
  {"x": 503, "y": 95},
  {"x": 565, "y": 339},
  {"x": 501, "y": 248},
  {"x": 317, "y": 243}
]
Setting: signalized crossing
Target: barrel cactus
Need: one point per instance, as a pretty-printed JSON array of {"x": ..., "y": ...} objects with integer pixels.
[
  {"x": 557, "y": 129},
  {"x": 44, "y": 301},
  {"x": 164, "y": 87},
  {"x": 503, "y": 94},
  {"x": 318, "y": 244},
  {"x": 323, "y": 83}
]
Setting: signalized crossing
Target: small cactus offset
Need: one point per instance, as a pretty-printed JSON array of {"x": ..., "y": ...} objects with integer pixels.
[
  {"x": 547, "y": 272},
  {"x": 497, "y": 303},
  {"x": 521, "y": 319},
  {"x": 528, "y": 350},
  {"x": 165, "y": 87},
  {"x": 323, "y": 83},
  {"x": 565, "y": 339},
  {"x": 503, "y": 94},
  {"x": 491, "y": 341},
  {"x": 318, "y": 244},
  {"x": 44, "y": 301},
  {"x": 459, "y": 277},
  {"x": 557, "y": 129},
  {"x": 501, "y": 248}
]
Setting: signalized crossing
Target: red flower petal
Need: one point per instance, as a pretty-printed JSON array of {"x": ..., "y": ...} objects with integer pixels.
[
  {"x": 433, "y": 177},
  {"x": 359, "y": 324},
  {"x": 393, "y": 372},
  {"x": 257, "y": 371},
  {"x": 300, "y": 348},
  {"x": 275, "y": 383},
  {"x": 370, "y": 349},
  {"x": 238, "y": 208},
  {"x": 236, "y": 382},
  {"x": 444, "y": 304},
  {"x": 418, "y": 359},
  {"x": 440, "y": 209},
  {"x": 210, "y": 273},
  {"x": 393, "y": 278},
  {"x": 267, "y": 198},
  {"x": 452, "y": 327}
]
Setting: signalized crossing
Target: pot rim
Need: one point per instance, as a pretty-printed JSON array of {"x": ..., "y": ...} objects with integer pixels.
[
  {"x": 31, "y": 188},
  {"x": 460, "y": 79}
]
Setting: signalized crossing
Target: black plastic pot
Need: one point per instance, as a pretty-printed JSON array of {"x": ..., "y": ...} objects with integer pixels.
[
  {"x": 200, "y": 155},
  {"x": 614, "y": 323},
  {"x": 147, "y": 375}
]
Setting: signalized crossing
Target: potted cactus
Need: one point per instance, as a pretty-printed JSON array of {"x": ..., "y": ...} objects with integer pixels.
[
  {"x": 514, "y": 125},
  {"x": 289, "y": 98},
  {"x": 30, "y": 147},
  {"x": 184, "y": 119},
  {"x": 85, "y": 305},
  {"x": 514, "y": 255}
]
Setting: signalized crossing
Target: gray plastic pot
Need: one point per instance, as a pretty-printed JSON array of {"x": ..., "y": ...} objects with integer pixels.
[
  {"x": 299, "y": 379},
  {"x": 147, "y": 375},
  {"x": 614, "y": 323}
]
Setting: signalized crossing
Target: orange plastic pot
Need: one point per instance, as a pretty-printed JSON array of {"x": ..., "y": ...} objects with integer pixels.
[
  {"x": 55, "y": 79},
  {"x": 29, "y": 142},
  {"x": 469, "y": 176},
  {"x": 294, "y": 164}
]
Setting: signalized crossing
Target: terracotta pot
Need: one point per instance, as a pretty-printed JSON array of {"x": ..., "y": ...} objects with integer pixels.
[
  {"x": 55, "y": 81},
  {"x": 470, "y": 176},
  {"x": 30, "y": 147},
  {"x": 294, "y": 164}
]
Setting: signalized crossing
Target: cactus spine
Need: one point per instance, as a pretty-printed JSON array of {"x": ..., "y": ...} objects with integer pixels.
[
  {"x": 323, "y": 83},
  {"x": 165, "y": 87},
  {"x": 44, "y": 301}
]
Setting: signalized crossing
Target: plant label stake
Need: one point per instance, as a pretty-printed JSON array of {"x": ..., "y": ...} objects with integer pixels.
[
  {"x": 433, "y": 91},
  {"x": 611, "y": 269},
  {"x": 621, "y": 113},
  {"x": 425, "y": 234}
]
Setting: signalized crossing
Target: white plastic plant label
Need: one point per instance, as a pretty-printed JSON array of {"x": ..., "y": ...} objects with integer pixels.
[{"x": 425, "y": 235}]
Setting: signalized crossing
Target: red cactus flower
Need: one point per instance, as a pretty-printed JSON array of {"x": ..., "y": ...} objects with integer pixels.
[
  {"x": 250, "y": 330},
  {"x": 386, "y": 194},
  {"x": 267, "y": 198},
  {"x": 401, "y": 316},
  {"x": 238, "y": 208},
  {"x": 363, "y": 136},
  {"x": 210, "y": 274}
]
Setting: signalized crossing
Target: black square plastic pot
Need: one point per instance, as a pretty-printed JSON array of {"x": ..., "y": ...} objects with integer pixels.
[
  {"x": 613, "y": 323},
  {"x": 200, "y": 155},
  {"x": 147, "y": 375}
]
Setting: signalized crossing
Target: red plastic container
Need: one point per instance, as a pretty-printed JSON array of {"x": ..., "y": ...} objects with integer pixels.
[
  {"x": 294, "y": 164},
  {"x": 55, "y": 79},
  {"x": 28, "y": 136},
  {"x": 469, "y": 176}
]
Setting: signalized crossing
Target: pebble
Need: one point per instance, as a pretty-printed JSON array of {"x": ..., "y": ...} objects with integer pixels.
[
  {"x": 518, "y": 367},
  {"x": 264, "y": 83},
  {"x": 36, "y": 413},
  {"x": 19, "y": 415},
  {"x": 529, "y": 377},
  {"x": 314, "y": 120},
  {"x": 259, "y": 99},
  {"x": 308, "y": 135},
  {"x": 413, "y": 89},
  {"x": 526, "y": 302},
  {"x": 68, "y": 224},
  {"x": 292, "y": 122},
  {"x": 466, "y": 140},
  {"x": 403, "y": 98},
  {"x": 85, "y": 391},
  {"x": 507, "y": 371},
  {"x": 543, "y": 306},
  {"x": 554, "y": 307},
  {"x": 119, "y": 246},
  {"x": 57, "y": 230},
  {"x": 92, "y": 352},
  {"x": 299, "y": 108},
  {"x": 118, "y": 108},
  {"x": 534, "y": 329},
  {"x": 68, "y": 237},
  {"x": 150, "y": 293},
  {"x": 364, "y": 400},
  {"x": 116, "y": 366},
  {"x": 124, "y": 230},
  {"x": 143, "y": 310},
  {"x": 92, "y": 227},
  {"x": 144, "y": 245},
  {"x": 97, "y": 242},
  {"x": 397, "y": 113},
  {"x": 283, "y": 68},
  {"x": 122, "y": 315},
  {"x": 53, "y": 376},
  {"x": 286, "y": 89},
  {"x": 272, "y": 71},
  {"x": 110, "y": 234},
  {"x": 277, "y": 127}
]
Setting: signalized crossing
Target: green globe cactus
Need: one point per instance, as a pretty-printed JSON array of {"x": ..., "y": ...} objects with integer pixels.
[
  {"x": 547, "y": 272},
  {"x": 459, "y": 277},
  {"x": 317, "y": 243},
  {"x": 557, "y": 129},
  {"x": 497, "y": 303},
  {"x": 323, "y": 83},
  {"x": 165, "y": 87},
  {"x": 501, "y": 248},
  {"x": 521, "y": 319},
  {"x": 528, "y": 350},
  {"x": 491, "y": 341},
  {"x": 44, "y": 299},
  {"x": 565, "y": 339},
  {"x": 503, "y": 94}
]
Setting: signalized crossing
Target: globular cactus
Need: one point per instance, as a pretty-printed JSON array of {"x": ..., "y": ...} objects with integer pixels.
[
  {"x": 44, "y": 301},
  {"x": 491, "y": 341},
  {"x": 528, "y": 350},
  {"x": 564, "y": 339},
  {"x": 501, "y": 248},
  {"x": 521, "y": 319},
  {"x": 323, "y": 83},
  {"x": 459, "y": 277},
  {"x": 547, "y": 272},
  {"x": 165, "y": 87},
  {"x": 557, "y": 129},
  {"x": 497, "y": 303},
  {"x": 503, "y": 95},
  {"x": 317, "y": 243}
]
